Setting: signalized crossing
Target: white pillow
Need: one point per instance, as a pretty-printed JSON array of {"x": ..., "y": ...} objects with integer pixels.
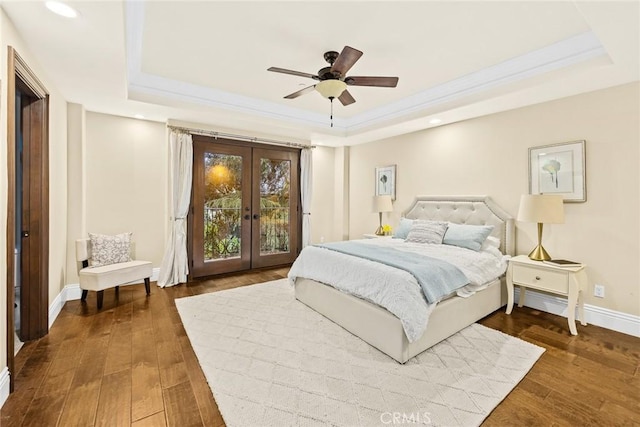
[
  {"x": 491, "y": 242},
  {"x": 107, "y": 250},
  {"x": 427, "y": 232}
]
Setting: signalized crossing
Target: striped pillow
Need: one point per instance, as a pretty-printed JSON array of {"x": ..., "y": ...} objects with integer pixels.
[{"x": 427, "y": 232}]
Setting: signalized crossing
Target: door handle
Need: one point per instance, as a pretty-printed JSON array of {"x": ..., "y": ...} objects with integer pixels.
[
  {"x": 256, "y": 216},
  {"x": 247, "y": 216},
  {"x": 25, "y": 234}
]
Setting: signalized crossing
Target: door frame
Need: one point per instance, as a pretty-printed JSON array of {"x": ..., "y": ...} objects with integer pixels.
[
  {"x": 241, "y": 143},
  {"x": 19, "y": 73}
]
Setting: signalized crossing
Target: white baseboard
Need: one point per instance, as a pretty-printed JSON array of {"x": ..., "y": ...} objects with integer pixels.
[
  {"x": 68, "y": 293},
  {"x": 609, "y": 319},
  {"x": 56, "y": 306},
  {"x": 4, "y": 386},
  {"x": 155, "y": 274}
]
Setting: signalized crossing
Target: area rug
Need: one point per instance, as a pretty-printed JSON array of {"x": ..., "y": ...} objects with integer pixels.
[{"x": 272, "y": 361}]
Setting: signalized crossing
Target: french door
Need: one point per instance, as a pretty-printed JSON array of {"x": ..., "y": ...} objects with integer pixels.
[{"x": 245, "y": 207}]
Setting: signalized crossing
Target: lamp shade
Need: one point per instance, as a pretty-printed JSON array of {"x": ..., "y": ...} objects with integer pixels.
[
  {"x": 331, "y": 88},
  {"x": 382, "y": 204},
  {"x": 541, "y": 208}
]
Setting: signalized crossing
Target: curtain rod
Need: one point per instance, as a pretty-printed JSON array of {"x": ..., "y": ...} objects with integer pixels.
[{"x": 216, "y": 134}]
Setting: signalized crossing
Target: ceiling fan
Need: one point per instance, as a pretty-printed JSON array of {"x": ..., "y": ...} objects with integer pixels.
[{"x": 333, "y": 80}]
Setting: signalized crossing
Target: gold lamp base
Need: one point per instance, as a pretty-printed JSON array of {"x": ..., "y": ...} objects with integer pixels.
[
  {"x": 379, "y": 231},
  {"x": 539, "y": 254}
]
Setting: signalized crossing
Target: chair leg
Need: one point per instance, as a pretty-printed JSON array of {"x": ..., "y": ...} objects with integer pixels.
[
  {"x": 84, "y": 295},
  {"x": 147, "y": 286},
  {"x": 100, "y": 297},
  {"x": 117, "y": 291}
]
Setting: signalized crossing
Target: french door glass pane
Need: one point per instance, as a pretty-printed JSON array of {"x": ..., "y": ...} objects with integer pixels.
[
  {"x": 275, "y": 178},
  {"x": 222, "y": 206}
]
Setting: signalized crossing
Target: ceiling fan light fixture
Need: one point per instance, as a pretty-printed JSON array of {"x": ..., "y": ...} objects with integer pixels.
[{"x": 331, "y": 88}]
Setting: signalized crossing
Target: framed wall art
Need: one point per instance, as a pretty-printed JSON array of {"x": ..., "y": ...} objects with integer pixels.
[
  {"x": 386, "y": 181},
  {"x": 559, "y": 169}
]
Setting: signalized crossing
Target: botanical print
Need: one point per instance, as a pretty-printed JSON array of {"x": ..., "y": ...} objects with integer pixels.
[
  {"x": 556, "y": 172},
  {"x": 559, "y": 169},
  {"x": 386, "y": 181}
]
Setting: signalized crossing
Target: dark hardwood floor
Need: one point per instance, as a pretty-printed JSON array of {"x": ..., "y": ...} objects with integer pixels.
[{"x": 132, "y": 364}]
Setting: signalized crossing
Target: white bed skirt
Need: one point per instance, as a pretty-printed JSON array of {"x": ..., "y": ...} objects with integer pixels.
[{"x": 383, "y": 330}]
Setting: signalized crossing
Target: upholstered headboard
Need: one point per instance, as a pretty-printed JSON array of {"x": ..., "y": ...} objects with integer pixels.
[{"x": 473, "y": 210}]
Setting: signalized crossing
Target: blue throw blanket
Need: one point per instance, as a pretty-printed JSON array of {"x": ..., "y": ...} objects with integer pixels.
[{"x": 436, "y": 277}]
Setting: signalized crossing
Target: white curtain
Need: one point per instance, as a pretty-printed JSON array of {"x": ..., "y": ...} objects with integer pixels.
[
  {"x": 175, "y": 263},
  {"x": 306, "y": 170}
]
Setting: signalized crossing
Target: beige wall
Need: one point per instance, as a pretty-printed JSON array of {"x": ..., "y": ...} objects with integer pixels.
[
  {"x": 322, "y": 218},
  {"x": 489, "y": 155},
  {"x": 57, "y": 174},
  {"x": 126, "y": 181},
  {"x": 76, "y": 185}
]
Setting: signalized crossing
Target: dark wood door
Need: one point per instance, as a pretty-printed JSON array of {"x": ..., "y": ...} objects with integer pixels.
[
  {"x": 221, "y": 208},
  {"x": 275, "y": 207},
  {"x": 27, "y": 178},
  {"x": 245, "y": 207},
  {"x": 34, "y": 233}
]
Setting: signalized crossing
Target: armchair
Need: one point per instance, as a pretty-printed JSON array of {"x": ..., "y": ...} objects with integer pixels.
[{"x": 103, "y": 277}]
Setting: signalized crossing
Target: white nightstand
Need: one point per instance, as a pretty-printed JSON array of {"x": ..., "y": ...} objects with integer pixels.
[
  {"x": 567, "y": 281},
  {"x": 374, "y": 236}
]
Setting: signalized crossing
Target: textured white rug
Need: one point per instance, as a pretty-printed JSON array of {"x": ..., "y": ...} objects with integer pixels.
[{"x": 272, "y": 361}]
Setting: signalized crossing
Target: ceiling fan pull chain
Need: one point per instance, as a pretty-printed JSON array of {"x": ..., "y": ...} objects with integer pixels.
[{"x": 331, "y": 99}]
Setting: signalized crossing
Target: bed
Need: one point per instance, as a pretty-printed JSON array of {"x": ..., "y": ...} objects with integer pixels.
[{"x": 382, "y": 329}]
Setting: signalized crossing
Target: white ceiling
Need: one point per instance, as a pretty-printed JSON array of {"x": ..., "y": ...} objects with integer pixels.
[{"x": 206, "y": 62}]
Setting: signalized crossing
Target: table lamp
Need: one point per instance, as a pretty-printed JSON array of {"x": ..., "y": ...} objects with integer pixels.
[
  {"x": 382, "y": 204},
  {"x": 541, "y": 208}
]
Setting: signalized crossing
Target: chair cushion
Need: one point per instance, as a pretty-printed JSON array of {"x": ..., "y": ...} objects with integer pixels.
[{"x": 109, "y": 276}]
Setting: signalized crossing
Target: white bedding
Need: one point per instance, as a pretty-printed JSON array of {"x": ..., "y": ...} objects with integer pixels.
[{"x": 396, "y": 290}]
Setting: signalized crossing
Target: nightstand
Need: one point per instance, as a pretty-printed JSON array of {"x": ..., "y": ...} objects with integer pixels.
[
  {"x": 566, "y": 281},
  {"x": 374, "y": 236}
]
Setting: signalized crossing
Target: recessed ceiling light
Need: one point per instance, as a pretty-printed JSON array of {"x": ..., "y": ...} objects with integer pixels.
[
  {"x": 61, "y": 9},
  {"x": 139, "y": 116},
  {"x": 435, "y": 121}
]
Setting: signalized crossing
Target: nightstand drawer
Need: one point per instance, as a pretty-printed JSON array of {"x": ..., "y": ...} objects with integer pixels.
[{"x": 555, "y": 281}]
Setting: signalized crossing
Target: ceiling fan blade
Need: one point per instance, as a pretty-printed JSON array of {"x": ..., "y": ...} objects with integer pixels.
[
  {"x": 345, "y": 60},
  {"x": 346, "y": 98},
  {"x": 293, "y": 73},
  {"x": 300, "y": 92},
  {"x": 371, "y": 81}
]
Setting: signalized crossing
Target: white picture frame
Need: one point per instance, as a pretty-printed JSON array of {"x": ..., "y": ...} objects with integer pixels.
[
  {"x": 559, "y": 169},
  {"x": 385, "y": 181}
]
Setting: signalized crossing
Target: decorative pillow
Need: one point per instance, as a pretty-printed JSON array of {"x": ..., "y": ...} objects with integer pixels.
[
  {"x": 107, "y": 250},
  {"x": 403, "y": 228},
  {"x": 467, "y": 236},
  {"x": 427, "y": 232},
  {"x": 491, "y": 242}
]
